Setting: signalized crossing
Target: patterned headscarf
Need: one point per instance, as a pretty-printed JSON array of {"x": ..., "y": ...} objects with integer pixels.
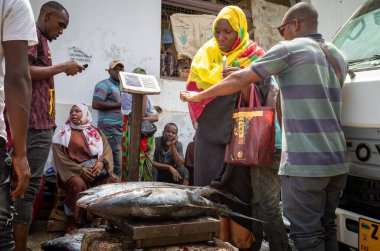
[
  {"x": 93, "y": 138},
  {"x": 139, "y": 70},
  {"x": 206, "y": 68}
]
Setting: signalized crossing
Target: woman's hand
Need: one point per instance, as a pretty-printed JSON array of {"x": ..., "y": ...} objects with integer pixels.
[
  {"x": 87, "y": 174},
  {"x": 226, "y": 72},
  {"x": 175, "y": 174},
  {"x": 190, "y": 96},
  {"x": 97, "y": 168}
]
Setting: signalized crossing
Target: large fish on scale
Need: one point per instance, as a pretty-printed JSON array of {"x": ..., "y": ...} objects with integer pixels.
[
  {"x": 153, "y": 201},
  {"x": 91, "y": 195}
]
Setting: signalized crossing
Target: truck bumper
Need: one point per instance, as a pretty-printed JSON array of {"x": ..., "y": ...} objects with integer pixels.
[{"x": 348, "y": 227}]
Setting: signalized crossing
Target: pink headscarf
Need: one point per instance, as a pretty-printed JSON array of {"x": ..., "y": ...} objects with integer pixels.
[{"x": 93, "y": 138}]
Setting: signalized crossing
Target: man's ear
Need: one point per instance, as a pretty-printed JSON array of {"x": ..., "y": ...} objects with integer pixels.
[
  {"x": 297, "y": 25},
  {"x": 48, "y": 14}
]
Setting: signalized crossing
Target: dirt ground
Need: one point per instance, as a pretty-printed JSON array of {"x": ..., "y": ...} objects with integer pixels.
[{"x": 38, "y": 235}]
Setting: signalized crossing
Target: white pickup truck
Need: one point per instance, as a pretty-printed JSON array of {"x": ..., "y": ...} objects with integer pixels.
[{"x": 358, "y": 215}]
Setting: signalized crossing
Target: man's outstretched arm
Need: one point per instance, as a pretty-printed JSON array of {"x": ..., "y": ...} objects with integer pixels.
[
  {"x": 18, "y": 88},
  {"x": 236, "y": 81}
]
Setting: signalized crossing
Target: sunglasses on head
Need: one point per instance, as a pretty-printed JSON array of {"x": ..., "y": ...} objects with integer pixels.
[{"x": 281, "y": 28}]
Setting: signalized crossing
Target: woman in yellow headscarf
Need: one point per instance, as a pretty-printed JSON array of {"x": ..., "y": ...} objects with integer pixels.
[{"x": 212, "y": 118}]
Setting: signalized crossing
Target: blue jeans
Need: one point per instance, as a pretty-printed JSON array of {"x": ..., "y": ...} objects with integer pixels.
[
  {"x": 38, "y": 147},
  {"x": 6, "y": 237},
  {"x": 310, "y": 204},
  {"x": 115, "y": 144}
]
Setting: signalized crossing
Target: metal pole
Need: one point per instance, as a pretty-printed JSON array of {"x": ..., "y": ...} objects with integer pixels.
[{"x": 135, "y": 137}]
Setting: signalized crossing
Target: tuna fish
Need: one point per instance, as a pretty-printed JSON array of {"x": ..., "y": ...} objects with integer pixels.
[
  {"x": 92, "y": 194},
  {"x": 153, "y": 201},
  {"x": 69, "y": 242}
]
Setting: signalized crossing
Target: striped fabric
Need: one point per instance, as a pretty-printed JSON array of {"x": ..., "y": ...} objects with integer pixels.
[
  {"x": 109, "y": 121},
  {"x": 313, "y": 144}
]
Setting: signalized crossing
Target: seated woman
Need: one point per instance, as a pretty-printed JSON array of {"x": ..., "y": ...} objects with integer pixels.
[
  {"x": 147, "y": 145},
  {"x": 83, "y": 159}
]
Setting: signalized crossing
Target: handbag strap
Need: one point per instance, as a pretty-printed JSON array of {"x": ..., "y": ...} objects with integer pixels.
[
  {"x": 333, "y": 63},
  {"x": 278, "y": 109},
  {"x": 253, "y": 97},
  {"x": 2, "y": 21}
]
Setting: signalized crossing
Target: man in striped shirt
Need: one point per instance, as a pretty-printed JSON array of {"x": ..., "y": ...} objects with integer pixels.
[
  {"x": 313, "y": 161},
  {"x": 107, "y": 100}
]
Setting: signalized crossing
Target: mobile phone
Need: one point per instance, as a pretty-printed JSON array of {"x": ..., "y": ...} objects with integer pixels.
[
  {"x": 85, "y": 65},
  {"x": 224, "y": 62}
]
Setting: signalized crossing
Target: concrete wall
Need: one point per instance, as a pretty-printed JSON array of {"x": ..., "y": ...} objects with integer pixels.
[
  {"x": 174, "y": 110},
  {"x": 126, "y": 29},
  {"x": 267, "y": 16},
  {"x": 105, "y": 30}
]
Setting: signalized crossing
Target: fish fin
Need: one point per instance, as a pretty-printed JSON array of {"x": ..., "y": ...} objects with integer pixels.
[
  {"x": 232, "y": 197},
  {"x": 208, "y": 191},
  {"x": 246, "y": 217}
]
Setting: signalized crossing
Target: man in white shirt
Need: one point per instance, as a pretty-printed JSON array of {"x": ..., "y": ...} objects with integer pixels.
[{"x": 17, "y": 32}]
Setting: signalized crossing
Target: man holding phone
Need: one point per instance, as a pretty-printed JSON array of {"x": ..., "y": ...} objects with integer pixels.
[{"x": 51, "y": 22}]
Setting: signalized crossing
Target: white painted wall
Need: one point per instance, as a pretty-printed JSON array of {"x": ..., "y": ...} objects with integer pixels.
[
  {"x": 174, "y": 110},
  {"x": 333, "y": 14},
  {"x": 127, "y": 29}
]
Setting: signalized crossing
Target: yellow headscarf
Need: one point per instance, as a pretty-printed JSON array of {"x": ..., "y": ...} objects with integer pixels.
[{"x": 206, "y": 68}]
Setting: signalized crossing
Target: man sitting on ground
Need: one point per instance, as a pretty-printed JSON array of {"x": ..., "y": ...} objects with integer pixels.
[{"x": 168, "y": 157}]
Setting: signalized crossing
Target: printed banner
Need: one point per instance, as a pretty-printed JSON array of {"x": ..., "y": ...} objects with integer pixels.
[{"x": 190, "y": 32}]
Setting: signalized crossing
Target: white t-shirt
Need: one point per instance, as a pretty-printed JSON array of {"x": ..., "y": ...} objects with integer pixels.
[{"x": 17, "y": 23}]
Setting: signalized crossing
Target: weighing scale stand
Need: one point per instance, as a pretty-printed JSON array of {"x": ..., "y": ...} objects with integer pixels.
[
  {"x": 137, "y": 85},
  {"x": 135, "y": 137}
]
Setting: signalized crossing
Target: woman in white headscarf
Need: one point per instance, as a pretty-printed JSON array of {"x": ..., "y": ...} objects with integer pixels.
[{"x": 83, "y": 158}]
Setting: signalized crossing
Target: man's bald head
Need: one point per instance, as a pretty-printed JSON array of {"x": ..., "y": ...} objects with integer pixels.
[{"x": 307, "y": 13}]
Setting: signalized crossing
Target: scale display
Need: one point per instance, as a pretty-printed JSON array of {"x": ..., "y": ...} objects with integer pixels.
[{"x": 139, "y": 83}]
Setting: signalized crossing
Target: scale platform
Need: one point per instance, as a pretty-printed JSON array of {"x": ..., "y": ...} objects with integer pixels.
[{"x": 155, "y": 234}]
